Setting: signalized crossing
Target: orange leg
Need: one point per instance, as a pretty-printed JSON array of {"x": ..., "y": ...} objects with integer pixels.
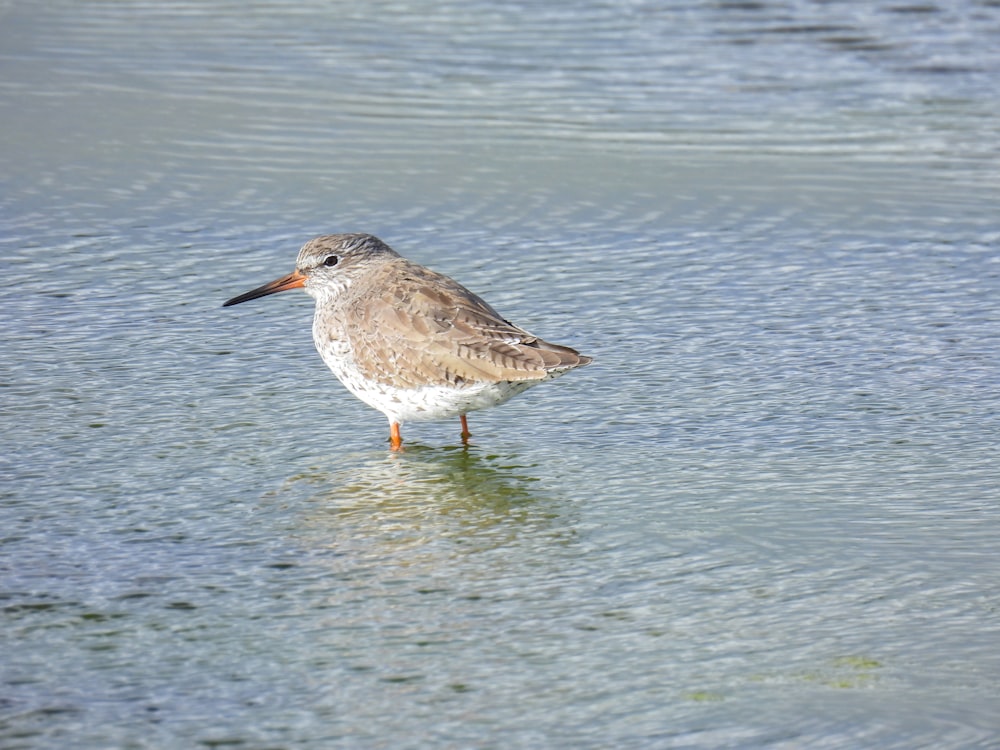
[
  {"x": 465, "y": 430},
  {"x": 395, "y": 439}
]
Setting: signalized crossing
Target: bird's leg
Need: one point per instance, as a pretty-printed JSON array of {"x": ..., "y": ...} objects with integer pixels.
[
  {"x": 395, "y": 439},
  {"x": 465, "y": 430}
]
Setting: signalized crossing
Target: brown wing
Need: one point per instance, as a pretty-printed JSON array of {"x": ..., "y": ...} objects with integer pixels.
[{"x": 426, "y": 329}]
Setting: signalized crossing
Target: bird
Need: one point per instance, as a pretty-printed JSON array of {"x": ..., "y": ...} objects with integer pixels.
[{"x": 410, "y": 342}]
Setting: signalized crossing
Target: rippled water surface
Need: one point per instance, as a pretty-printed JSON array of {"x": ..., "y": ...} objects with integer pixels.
[{"x": 766, "y": 516}]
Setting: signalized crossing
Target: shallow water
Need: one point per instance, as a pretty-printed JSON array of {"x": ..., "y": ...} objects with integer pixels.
[{"x": 764, "y": 517}]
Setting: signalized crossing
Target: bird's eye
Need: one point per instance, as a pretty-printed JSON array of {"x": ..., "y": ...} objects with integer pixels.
[{"x": 330, "y": 261}]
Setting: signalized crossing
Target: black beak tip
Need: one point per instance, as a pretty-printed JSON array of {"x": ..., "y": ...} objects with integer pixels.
[{"x": 246, "y": 296}]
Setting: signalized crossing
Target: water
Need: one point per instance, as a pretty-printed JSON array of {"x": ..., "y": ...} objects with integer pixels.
[{"x": 764, "y": 517}]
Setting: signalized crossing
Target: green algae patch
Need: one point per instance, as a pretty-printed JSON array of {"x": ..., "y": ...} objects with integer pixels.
[{"x": 704, "y": 696}]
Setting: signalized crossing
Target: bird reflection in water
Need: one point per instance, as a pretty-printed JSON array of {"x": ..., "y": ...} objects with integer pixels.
[{"x": 461, "y": 498}]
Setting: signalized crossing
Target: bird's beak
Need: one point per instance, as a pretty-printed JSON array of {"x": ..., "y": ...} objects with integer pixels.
[{"x": 294, "y": 280}]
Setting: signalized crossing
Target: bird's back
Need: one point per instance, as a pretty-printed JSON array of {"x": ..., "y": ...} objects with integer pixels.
[{"x": 412, "y": 327}]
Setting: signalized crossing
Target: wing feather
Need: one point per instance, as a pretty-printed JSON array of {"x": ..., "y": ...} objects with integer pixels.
[{"x": 427, "y": 329}]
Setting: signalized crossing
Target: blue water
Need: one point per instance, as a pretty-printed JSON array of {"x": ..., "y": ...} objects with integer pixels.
[{"x": 766, "y": 516}]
